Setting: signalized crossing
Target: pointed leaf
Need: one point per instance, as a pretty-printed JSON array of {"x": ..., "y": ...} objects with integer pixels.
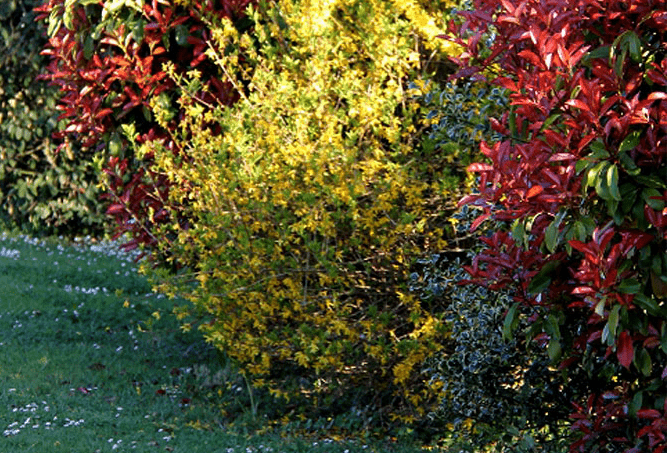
[
  {"x": 630, "y": 142},
  {"x": 629, "y": 286},
  {"x": 551, "y": 236},
  {"x": 613, "y": 320},
  {"x": 554, "y": 349},
  {"x": 479, "y": 167},
  {"x": 511, "y": 322},
  {"x": 612, "y": 182},
  {"x": 542, "y": 280},
  {"x": 625, "y": 351},
  {"x": 650, "y": 414},
  {"x": 534, "y": 191}
]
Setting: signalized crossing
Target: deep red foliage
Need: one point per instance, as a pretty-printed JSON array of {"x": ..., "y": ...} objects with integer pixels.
[
  {"x": 109, "y": 66},
  {"x": 580, "y": 181}
]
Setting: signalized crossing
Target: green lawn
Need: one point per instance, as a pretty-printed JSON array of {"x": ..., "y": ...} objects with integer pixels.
[{"x": 87, "y": 366}]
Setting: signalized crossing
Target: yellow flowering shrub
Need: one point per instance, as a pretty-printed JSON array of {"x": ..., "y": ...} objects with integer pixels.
[{"x": 310, "y": 197}]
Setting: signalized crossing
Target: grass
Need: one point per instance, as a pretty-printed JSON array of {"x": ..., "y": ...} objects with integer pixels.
[{"x": 92, "y": 363}]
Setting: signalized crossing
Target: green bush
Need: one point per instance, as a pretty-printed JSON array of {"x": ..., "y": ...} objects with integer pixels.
[
  {"x": 494, "y": 390},
  {"x": 42, "y": 191}
]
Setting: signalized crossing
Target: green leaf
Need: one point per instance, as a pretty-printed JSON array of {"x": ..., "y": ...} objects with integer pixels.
[
  {"x": 68, "y": 15},
  {"x": 22, "y": 188},
  {"x": 643, "y": 362},
  {"x": 115, "y": 145},
  {"x": 549, "y": 121},
  {"x": 600, "y": 306},
  {"x": 511, "y": 322},
  {"x": 594, "y": 173},
  {"x": 620, "y": 62},
  {"x": 554, "y": 349},
  {"x": 519, "y": 233},
  {"x": 600, "y": 52},
  {"x": 636, "y": 404},
  {"x": 55, "y": 22},
  {"x": 612, "y": 321},
  {"x": 599, "y": 179},
  {"x": 607, "y": 338},
  {"x": 647, "y": 303},
  {"x": 629, "y": 193},
  {"x": 653, "y": 182},
  {"x": 634, "y": 46},
  {"x": 598, "y": 151},
  {"x": 581, "y": 165},
  {"x": 182, "y": 34},
  {"x": 649, "y": 198},
  {"x": 551, "y": 237},
  {"x": 630, "y": 142},
  {"x": 629, "y": 286},
  {"x": 612, "y": 182},
  {"x": 512, "y": 122},
  {"x": 542, "y": 279},
  {"x": 628, "y": 163},
  {"x": 552, "y": 326}
]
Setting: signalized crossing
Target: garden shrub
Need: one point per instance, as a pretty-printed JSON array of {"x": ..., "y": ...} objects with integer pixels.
[
  {"x": 42, "y": 191},
  {"x": 106, "y": 58},
  {"x": 495, "y": 390},
  {"x": 505, "y": 390},
  {"x": 308, "y": 199},
  {"x": 579, "y": 184},
  {"x": 456, "y": 122}
]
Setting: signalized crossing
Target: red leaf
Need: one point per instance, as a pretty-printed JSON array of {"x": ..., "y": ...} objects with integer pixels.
[
  {"x": 534, "y": 191},
  {"x": 580, "y": 246},
  {"x": 625, "y": 351},
  {"x": 477, "y": 167},
  {"x": 531, "y": 57},
  {"x": 650, "y": 414},
  {"x": 115, "y": 208},
  {"x": 657, "y": 95},
  {"x": 102, "y": 113},
  {"x": 579, "y": 290},
  {"x": 559, "y": 157},
  {"x": 578, "y": 104},
  {"x": 478, "y": 221}
]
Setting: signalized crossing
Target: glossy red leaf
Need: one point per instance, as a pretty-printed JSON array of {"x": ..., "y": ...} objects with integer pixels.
[
  {"x": 534, "y": 191},
  {"x": 625, "y": 350},
  {"x": 650, "y": 414},
  {"x": 479, "y": 167}
]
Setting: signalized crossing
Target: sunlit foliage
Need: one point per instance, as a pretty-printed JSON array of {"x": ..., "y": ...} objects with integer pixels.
[{"x": 308, "y": 199}]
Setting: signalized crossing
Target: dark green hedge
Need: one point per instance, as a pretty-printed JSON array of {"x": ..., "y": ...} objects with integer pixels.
[{"x": 41, "y": 191}]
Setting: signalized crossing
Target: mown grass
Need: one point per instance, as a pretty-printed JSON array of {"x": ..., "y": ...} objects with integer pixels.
[{"x": 91, "y": 362}]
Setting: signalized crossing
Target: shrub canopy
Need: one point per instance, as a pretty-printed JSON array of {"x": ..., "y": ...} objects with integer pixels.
[
  {"x": 580, "y": 184},
  {"x": 309, "y": 198}
]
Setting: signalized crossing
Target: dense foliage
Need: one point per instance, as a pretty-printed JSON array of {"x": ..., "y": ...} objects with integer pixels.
[
  {"x": 496, "y": 391},
  {"x": 41, "y": 190},
  {"x": 107, "y": 60},
  {"x": 308, "y": 199},
  {"x": 579, "y": 181}
]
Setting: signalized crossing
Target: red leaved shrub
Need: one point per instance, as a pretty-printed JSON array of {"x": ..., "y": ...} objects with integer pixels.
[
  {"x": 107, "y": 59},
  {"x": 580, "y": 182}
]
